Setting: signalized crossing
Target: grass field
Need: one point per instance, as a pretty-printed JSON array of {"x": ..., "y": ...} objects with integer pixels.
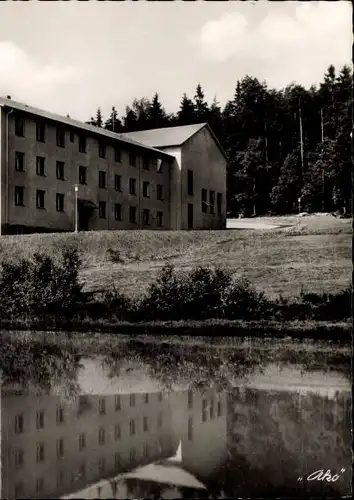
[{"x": 311, "y": 253}]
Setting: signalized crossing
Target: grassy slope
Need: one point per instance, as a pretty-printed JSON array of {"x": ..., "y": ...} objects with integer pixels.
[{"x": 314, "y": 254}]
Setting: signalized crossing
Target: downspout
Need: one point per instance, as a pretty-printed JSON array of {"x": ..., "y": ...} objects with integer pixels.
[{"x": 7, "y": 161}]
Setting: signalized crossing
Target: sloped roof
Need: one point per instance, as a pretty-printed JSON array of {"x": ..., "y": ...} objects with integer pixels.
[
  {"x": 76, "y": 124},
  {"x": 167, "y": 136},
  {"x": 170, "y": 136}
]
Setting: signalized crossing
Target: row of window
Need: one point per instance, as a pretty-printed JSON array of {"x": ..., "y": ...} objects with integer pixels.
[
  {"x": 61, "y": 142},
  {"x": 102, "y": 207},
  {"x": 211, "y": 204},
  {"x": 102, "y": 176},
  {"x": 81, "y": 472}
]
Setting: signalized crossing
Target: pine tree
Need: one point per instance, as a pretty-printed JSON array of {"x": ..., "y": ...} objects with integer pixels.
[
  {"x": 201, "y": 106},
  {"x": 186, "y": 114},
  {"x": 157, "y": 114},
  {"x": 99, "y": 119},
  {"x": 113, "y": 123},
  {"x": 130, "y": 120}
]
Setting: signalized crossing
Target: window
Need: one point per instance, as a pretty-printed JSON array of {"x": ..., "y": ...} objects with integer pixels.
[
  {"x": 118, "y": 212},
  {"x": 212, "y": 409},
  {"x": 60, "y": 415},
  {"x": 117, "y": 432},
  {"x": 132, "y": 400},
  {"x": 118, "y": 182},
  {"x": 159, "y": 219},
  {"x": 102, "y": 177},
  {"x": 146, "y": 163},
  {"x": 40, "y": 198},
  {"x": 190, "y": 182},
  {"x": 19, "y": 196},
  {"x": 101, "y": 436},
  {"x": 18, "y": 457},
  {"x": 204, "y": 410},
  {"x": 219, "y": 203},
  {"x": 132, "y": 455},
  {"x": 132, "y": 427},
  {"x": 82, "y": 144},
  {"x": 132, "y": 186},
  {"x": 18, "y": 489},
  {"x": 102, "y": 209},
  {"x": 19, "y": 126},
  {"x": 72, "y": 136},
  {"x": 159, "y": 397},
  {"x": 132, "y": 159},
  {"x": 60, "y": 202},
  {"x": 60, "y": 138},
  {"x": 159, "y": 166},
  {"x": 190, "y": 215},
  {"x": 40, "y": 131},
  {"x": 146, "y": 189},
  {"x": 146, "y": 217},
  {"x": 219, "y": 409},
  {"x": 102, "y": 150},
  {"x": 204, "y": 201},
  {"x": 39, "y": 484},
  {"x": 117, "y": 402},
  {"x": 145, "y": 424},
  {"x": 40, "y": 165},
  {"x": 102, "y": 465},
  {"x": 82, "y": 174},
  {"x": 145, "y": 450},
  {"x": 60, "y": 170},
  {"x": 19, "y": 161},
  {"x": 60, "y": 447},
  {"x": 190, "y": 400},
  {"x": 159, "y": 420},
  {"x": 159, "y": 192},
  {"x": 60, "y": 479},
  {"x": 40, "y": 419},
  {"x": 212, "y": 201},
  {"x": 117, "y": 155},
  {"x": 102, "y": 405},
  {"x": 146, "y": 398},
  {"x": 82, "y": 441},
  {"x": 190, "y": 429},
  {"x": 40, "y": 452},
  {"x": 117, "y": 460},
  {"x": 132, "y": 215}
]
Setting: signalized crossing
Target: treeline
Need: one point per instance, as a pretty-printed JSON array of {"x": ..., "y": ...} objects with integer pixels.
[
  {"x": 289, "y": 150},
  {"x": 48, "y": 291}
]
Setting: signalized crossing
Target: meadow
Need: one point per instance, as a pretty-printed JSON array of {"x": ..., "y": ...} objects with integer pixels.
[{"x": 310, "y": 254}]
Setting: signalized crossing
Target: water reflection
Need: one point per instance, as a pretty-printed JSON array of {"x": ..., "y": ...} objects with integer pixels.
[{"x": 241, "y": 442}]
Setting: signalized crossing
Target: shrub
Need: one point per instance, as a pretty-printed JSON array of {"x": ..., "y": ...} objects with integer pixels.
[{"x": 41, "y": 287}]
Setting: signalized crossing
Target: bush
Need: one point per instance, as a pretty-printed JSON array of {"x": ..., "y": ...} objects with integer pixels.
[{"x": 41, "y": 287}]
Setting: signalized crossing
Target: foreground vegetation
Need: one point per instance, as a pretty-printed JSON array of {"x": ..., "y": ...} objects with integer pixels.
[
  {"x": 44, "y": 293},
  {"x": 312, "y": 254}
]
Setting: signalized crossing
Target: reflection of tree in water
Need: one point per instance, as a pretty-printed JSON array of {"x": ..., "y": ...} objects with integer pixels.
[
  {"x": 200, "y": 366},
  {"x": 39, "y": 367}
]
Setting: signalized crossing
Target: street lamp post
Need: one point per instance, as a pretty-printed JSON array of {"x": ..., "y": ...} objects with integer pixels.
[{"x": 76, "y": 188}]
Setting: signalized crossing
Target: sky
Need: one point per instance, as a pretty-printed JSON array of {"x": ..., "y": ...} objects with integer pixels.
[{"x": 71, "y": 57}]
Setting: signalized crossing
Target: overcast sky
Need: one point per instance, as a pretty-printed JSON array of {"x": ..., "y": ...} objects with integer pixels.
[{"x": 70, "y": 57}]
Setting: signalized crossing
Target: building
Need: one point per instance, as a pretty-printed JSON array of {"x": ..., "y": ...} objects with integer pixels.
[{"x": 58, "y": 174}]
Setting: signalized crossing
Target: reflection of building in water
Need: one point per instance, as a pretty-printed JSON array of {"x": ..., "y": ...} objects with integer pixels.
[{"x": 52, "y": 447}]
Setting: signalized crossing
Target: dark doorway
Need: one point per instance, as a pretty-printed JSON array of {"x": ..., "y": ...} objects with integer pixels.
[
  {"x": 190, "y": 215},
  {"x": 85, "y": 212}
]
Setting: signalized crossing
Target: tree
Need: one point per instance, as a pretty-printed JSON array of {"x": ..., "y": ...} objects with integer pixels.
[
  {"x": 285, "y": 193},
  {"x": 99, "y": 119},
  {"x": 113, "y": 123},
  {"x": 186, "y": 114},
  {"x": 130, "y": 120},
  {"x": 200, "y": 105},
  {"x": 157, "y": 114}
]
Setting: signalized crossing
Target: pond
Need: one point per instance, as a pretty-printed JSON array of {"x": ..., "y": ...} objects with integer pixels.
[{"x": 149, "y": 421}]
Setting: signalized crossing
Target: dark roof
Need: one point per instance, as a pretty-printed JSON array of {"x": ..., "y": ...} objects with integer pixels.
[
  {"x": 170, "y": 136},
  {"x": 76, "y": 124}
]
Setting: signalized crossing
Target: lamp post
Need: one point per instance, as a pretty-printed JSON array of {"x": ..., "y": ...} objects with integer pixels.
[{"x": 76, "y": 188}]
